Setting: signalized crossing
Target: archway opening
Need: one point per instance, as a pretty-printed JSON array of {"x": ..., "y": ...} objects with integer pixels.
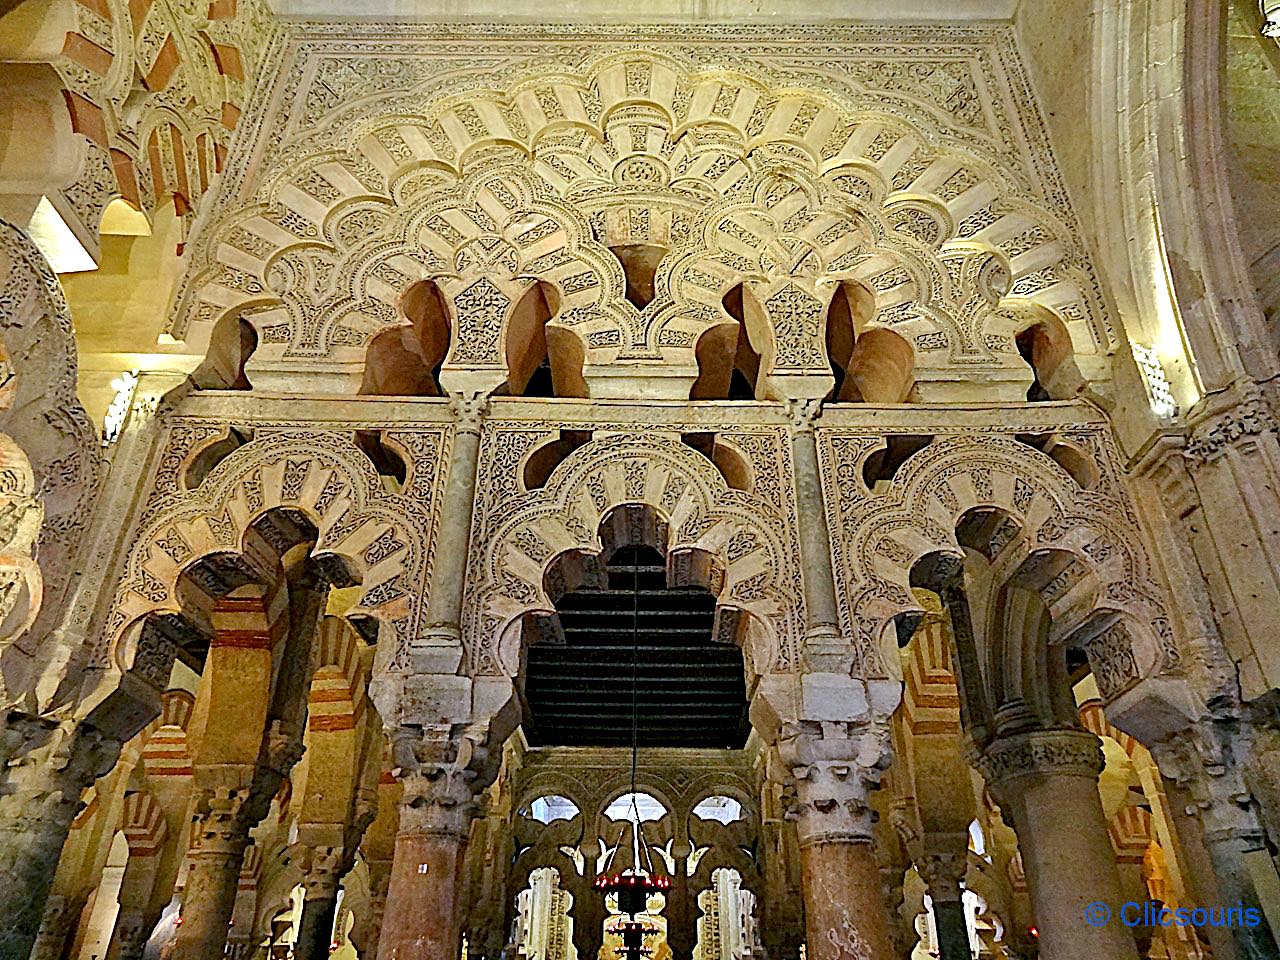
[
  {"x": 870, "y": 364},
  {"x": 728, "y": 363},
  {"x": 405, "y": 359},
  {"x": 640, "y": 265},
  {"x": 542, "y": 361},
  {"x": 625, "y": 623},
  {"x": 1045, "y": 345}
]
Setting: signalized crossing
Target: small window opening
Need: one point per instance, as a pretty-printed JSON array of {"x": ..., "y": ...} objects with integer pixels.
[
  {"x": 389, "y": 462},
  {"x": 540, "y": 465}
]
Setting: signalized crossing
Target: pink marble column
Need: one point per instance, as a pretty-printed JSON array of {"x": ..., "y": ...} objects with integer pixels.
[
  {"x": 423, "y": 919},
  {"x": 845, "y": 917},
  {"x": 845, "y": 913}
]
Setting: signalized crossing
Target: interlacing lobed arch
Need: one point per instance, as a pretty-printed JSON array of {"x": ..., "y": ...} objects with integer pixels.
[
  {"x": 700, "y": 179},
  {"x": 366, "y": 535},
  {"x": 1080, "y": 550},
  {"x": 742, "y": 533}
]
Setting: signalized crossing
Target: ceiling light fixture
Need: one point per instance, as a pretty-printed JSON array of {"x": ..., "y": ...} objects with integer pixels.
[{"x": 636, "y": 884}]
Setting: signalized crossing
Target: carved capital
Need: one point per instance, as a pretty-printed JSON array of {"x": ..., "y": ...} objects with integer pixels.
[
  {"x": 284, "y": 749},
  {"x": 1008, "y": 760},
  {"x": 834, "y": 766},
  {"x": 322, "y": 870},
  {"x": 48, "y": 765},
  {"x": 1201, "y": 764},
  {"x": 1213, "y": 436},
  {"x": 944, "y": 872},
  {"x": 220, "y": 827},
  {"x": 469, "y": 410},
  {"x": 131, "y": 933},
  {"x": 441, "y": 773},
  {"x": 802, "y": 414}
]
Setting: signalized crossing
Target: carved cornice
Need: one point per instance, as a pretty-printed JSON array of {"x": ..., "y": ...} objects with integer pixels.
[{"x": 1250, "y": 419}]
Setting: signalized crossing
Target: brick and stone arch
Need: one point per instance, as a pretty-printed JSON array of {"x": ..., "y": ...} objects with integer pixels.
[
  {"x": 262, "y": 497},
  {"x": 751, "y": 565}
]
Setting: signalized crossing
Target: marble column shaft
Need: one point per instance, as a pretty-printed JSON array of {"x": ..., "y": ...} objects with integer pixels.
[
  {"x": 59, "y": 916},
  {"x": 944, "y": 874},
  {"x": 423, "y": 918},
  {"x": 448, "y": 575},
  {"x": 1047, "y": 783},
  {"x": 321, "y": 880},
  {"x": 219, "y": 839},
  {"x": 815, "y": 540}
]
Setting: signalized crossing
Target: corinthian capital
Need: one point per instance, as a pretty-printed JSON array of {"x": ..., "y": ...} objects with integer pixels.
[
  {"x": 322, "y": 870},
  {"x": 469, "y": 410},
  {"x": 802, "y": 413},
  {"x": 441, "y": 773},
  {"x": 834, "y": 767},
  {"x": 1201, "y": 763},
  {"x": 943, "y": 871},
  {"x": 49, "y": 763},
  {"x": 221, "y": 824}
]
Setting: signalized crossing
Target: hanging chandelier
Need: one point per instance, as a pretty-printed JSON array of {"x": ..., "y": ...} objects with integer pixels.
[
  {"x": 636, "y": 884},
  {"x": 632, "y": 888},
  {"x": 633, "y": 934}
]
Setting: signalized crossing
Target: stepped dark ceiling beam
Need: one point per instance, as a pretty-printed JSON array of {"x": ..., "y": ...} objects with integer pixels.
[{"x": 692, "y": 690}]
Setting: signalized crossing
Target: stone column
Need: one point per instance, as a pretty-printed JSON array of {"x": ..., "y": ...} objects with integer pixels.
[
  {"x": 587, "y": 911},
  {"x": 1205, "y": 782},
  {"x": 59, "y": 915},
  {"x": 944, "y": 873},
  {"x": 894, "y": 893},
  {"x": 448, "y": 575},
  {"x": 822, "y": 632},
  {"x": 220, "y": 835},
  {"x": 323, "y": 870},
  {"x": 130, "y": 935},
  {"x": 379, "y": 881},
  {"x": 1046, "y": 782},
  {"x": 438, "y": 803},
  {"x": 834, "y": 768},
  {"x": 49, "y": 765}
]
